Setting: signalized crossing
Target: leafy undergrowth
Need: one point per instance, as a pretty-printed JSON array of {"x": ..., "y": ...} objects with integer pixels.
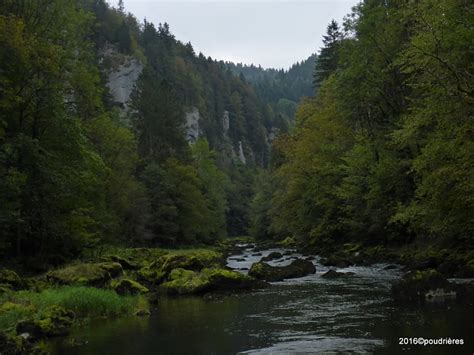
[{"x": 85, "y": 302}]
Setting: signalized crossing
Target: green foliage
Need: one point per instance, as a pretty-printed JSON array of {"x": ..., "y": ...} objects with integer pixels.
[
  {"x": 329, "y": 55},
  {"x": 178, "y": 209},
  {"x": 85, "y": 302},
  {"x": 215, "y": 185},
  {"x": 384, "y": 153}
]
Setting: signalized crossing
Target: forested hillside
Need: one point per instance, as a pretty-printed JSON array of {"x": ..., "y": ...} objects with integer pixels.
[
  {"x": 96, "y": 113},
  {"x": 384, "y": 153},
  {"x": 282, "y": 89},
  {"x": 113, "y": 131}
]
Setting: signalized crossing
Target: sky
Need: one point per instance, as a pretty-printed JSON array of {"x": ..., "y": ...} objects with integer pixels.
[{"x": 270, "y": 33}]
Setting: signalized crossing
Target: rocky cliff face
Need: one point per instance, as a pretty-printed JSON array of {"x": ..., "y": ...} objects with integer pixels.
[
  {"x": 192, "y": 129},
  {"x": 122, "y": 72}
]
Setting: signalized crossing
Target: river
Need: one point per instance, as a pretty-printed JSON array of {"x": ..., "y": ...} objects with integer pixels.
[{"x": 306, "y": 315}]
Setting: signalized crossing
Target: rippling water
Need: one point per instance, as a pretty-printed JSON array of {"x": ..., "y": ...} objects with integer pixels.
[{"x": 305, "y": 315}]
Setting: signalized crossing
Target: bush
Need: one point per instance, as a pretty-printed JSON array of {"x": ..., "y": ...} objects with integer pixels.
[{"x": 85, "y": 302}]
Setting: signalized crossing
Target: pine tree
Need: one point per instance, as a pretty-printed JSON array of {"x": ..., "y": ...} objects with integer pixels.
[
  {"x": 327, "y": 60},
  {"x": 121, "y": 7}
]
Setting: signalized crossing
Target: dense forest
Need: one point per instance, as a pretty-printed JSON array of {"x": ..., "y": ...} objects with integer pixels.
[
  {"x": 282, "y": 89},
  {"x": 380, "y": 151},
  {"x": 133, "y": 169},
  {"x": 80, "y": 168},
  {"x": 384, "y": 153}
]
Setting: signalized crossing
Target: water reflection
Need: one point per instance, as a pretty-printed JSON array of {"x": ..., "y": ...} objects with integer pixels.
[{"x": 305, "y": 315}]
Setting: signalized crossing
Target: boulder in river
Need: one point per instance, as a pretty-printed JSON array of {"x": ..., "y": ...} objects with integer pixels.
[
  {"x": 54, "y": 321},
  {"x": 89, "y": 274},
  {"x": 272, "y": 256},
  {"x": 337, "y": 261},
  {"x": 333, "y": 274},
  {"x": 13, "y": 345},
  {"x": 423, "y": 286},
  {"x": 186, "y": 282},
  {"x": 11, "y": 279},
  {"x": 297, "y": 268},
  {"x": 129, "y": 287}
]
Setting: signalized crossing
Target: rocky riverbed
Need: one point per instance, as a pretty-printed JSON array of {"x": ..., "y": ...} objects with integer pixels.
[{"x": 351, "y": 312}]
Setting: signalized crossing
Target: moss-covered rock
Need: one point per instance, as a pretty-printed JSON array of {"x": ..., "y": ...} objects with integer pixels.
[
  {"x": 129, "y": 287},
  {"x": 194, "y": 261},
  {"x": 288, "y": 242},
  {"x": 126, "y": 263},
  {"x": 225, "y": 280},
  {"x": 10, "y": 345},
  {"x": 154, "y": 273},
  {"x": 298, "y": 268},
  {"x": 151, "y": 275},
  {"x": 272, "y": 256},
  {"x": 185, "y": 282},
  {"x": 90, "y": 274},
  {"x": 333, "y": 274},
  {"x": 11, "y": 278},
  {"x": 53, "y": 321},
  {"x": 466, "y": 270},
  {"x": 421, "y": 286},
  {"x": 337, "y": 260}
]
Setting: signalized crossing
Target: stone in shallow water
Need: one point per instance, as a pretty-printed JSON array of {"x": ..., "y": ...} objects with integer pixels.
[
  {"x": 420, "y": 286},
  {"x": 129, "y": 287},
  {"x": 185, "y": 282},
  {"x": 272, "y": 256},
  {"x": 297, "y": 268},
  {"x": 90, "y": 274}
]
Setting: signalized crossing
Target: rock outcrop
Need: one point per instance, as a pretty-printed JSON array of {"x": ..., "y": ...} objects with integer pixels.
[
  {"x": 423, "y": 286},
  {"x": 192, "y": 125},
  {"x": 89, "y": 274},
  {"x": 186, "y": 282},
  {"x": 298, "y": 268},
  {"x": 122, "y": 72}
]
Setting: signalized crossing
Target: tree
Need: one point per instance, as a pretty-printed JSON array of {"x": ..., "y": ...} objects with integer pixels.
[
  {"x": 121, "y": 7},
  {"x": 327, "y": 60},
  {"x": 215, "y": 186},
  {"x": 159, "y": 120}
]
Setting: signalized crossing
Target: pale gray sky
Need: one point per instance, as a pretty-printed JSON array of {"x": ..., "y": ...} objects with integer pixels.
[{"x": 272, "y": 33}]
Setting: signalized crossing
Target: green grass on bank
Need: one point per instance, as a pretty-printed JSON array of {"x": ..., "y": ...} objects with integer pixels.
[{"x": 85, "y": 302}]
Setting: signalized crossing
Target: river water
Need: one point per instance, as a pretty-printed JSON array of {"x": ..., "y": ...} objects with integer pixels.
[{"x": 306, "y": 315}]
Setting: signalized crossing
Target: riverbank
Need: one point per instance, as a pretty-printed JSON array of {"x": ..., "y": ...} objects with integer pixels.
[
  {"x": 120, "y": 282},
  {"x": 129, "y": 282},
  {"x": 353, "y": 312}
]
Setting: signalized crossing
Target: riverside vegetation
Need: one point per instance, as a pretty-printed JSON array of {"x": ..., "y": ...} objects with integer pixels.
[{"x": 106, "y": 206}]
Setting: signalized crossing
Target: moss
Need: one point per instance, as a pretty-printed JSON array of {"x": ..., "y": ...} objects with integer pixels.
[
  {"x": 415, "y": 285},
  {"x": 51, "y": 321},
  {"x": 298, "y": 268},
  {"x": 129, "y": 287},
  {"x": 288, "y": 242},
  {"x": 12, "y": 312},
  {"x": 85, "y": 302},
  {"x": 194, "y": 259},
  {"x": 11, "y": 278},
  {"x": 91, "y": 274},
  {"x": 126, "y": 263},
  {"x": 13, "y": 345},
  {"x": 182, "y": 282},
  {"x": 151, "y": 275}
]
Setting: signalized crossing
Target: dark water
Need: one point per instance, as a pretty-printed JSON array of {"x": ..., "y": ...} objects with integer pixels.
[{"x": 305, "y": 315}]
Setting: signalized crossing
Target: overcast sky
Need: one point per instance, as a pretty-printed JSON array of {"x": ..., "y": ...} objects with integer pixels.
[{"x": 272, "y": 33}]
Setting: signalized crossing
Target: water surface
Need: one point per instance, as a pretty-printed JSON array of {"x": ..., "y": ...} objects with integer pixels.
[{"x": 305, "y": 315}]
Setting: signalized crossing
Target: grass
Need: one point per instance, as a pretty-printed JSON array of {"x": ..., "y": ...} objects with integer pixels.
[{"x": 85, "y": 302}]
